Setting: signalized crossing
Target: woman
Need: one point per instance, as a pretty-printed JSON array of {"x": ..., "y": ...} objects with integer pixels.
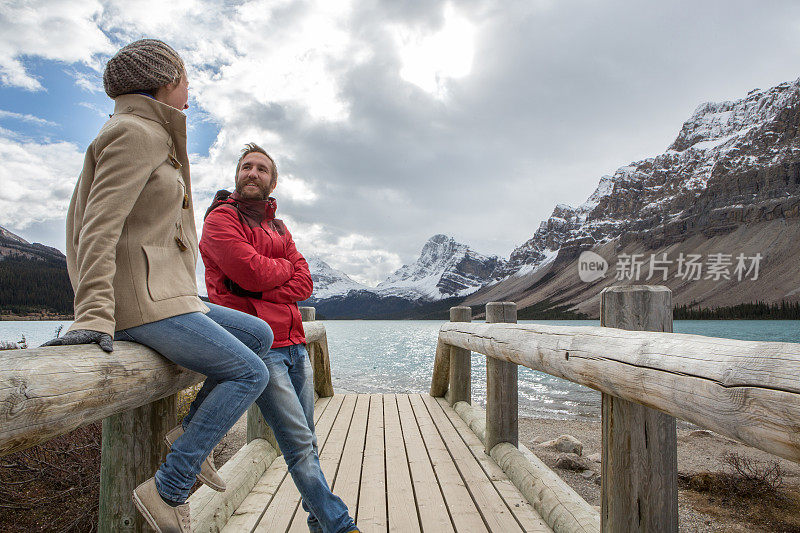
[{"x": 131, "y": 255}]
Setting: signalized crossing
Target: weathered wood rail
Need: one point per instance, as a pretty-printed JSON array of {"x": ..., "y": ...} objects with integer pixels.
[{"x": 745, "y": 390}]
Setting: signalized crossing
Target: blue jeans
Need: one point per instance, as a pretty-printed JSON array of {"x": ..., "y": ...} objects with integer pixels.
[
  {"x": 287, "y": 405},
  {"x": 227, "y": 346}
]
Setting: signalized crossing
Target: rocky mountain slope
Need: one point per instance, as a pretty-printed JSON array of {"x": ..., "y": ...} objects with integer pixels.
[{"x": 730, "y": 179}]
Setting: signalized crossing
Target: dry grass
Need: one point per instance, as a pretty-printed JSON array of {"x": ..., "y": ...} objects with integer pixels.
[
  {"x": 55, "y": 487},
  {"x": 748, "y": 491},
  {"x": 185, "y": 399}
]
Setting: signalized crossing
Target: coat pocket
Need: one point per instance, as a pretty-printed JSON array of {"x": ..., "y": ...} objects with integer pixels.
[{"x": 167, "y": 276}]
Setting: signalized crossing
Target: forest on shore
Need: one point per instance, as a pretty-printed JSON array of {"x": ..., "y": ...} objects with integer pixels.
[{"x": 34, "y": 286}]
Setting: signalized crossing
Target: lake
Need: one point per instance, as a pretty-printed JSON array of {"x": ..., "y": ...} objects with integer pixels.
[{"x": 397, "y": 356}]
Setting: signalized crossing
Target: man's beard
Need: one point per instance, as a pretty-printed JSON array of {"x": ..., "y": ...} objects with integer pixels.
[{"x": 263, "y": 194}]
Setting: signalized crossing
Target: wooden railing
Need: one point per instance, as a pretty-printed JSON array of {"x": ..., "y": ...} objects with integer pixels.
[
  {"x": 46, "y": 392},
  {"x": 745, "y": 390}
]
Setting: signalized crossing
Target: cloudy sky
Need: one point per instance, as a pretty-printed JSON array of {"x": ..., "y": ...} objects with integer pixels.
[{"x": 390, "y": 120}]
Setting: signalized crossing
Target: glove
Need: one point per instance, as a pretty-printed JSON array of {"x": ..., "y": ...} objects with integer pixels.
[{"x": 83, "y": 336}]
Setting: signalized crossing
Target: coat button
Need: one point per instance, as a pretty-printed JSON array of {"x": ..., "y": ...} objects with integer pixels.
[{"x": 130, "y": 108}]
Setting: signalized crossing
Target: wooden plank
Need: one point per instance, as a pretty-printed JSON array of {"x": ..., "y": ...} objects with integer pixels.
[
  {"x": 331, "y": 465},
  {"x": 463, "y": 511},
  {"x": 430, "y": 502},
  {"x": 309, "y": 314},
  {"x": 401, "y": 506},
  {"x": 329, "y": 457},
  {"x": 745, "y": 390},
  {"x": 371, "y": 512},
  {"x": 314, "y": 331},
  {"x": 246, "y": 516},
  {"x": 521, "y": 508},
  {"x": 495, "y": 513},
  {"x": 348, "y": 474},
  {"x": 281, "y": 509},
  {"x": 640, "y": 445},
  {"x": 560, "y": 506},
  {"x": 257, "y": 427}
]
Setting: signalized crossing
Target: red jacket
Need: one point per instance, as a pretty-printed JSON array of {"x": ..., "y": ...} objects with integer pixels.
[{"x": 257, "y": 259}]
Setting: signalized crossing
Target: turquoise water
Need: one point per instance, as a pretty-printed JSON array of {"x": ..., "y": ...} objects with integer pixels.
[{"x": 397, "y": 356}]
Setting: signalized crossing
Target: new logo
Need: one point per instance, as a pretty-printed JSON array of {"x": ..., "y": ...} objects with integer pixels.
[{"x": 591, "y": 266}]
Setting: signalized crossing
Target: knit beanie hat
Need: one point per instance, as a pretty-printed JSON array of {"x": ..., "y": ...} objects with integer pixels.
[{"x": 143, "y": 65}]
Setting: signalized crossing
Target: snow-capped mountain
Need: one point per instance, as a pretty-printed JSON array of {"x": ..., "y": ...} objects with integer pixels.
[
  {"x": 732, "y": 162},
  {"x": 445, "y": 268},
  {"x": 329, "y": 281}
]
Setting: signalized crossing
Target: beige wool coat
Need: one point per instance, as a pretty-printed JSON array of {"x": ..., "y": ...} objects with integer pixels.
[{"x": 131, "y": 237}]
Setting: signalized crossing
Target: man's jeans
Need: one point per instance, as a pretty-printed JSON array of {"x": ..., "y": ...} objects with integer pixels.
[
  {"x": 288, "y": 407},
  {"x": 227, "y": 346}
]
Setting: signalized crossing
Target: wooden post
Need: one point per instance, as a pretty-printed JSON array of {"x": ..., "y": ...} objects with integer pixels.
[
  {"x": 639, "y": 489},
  {"x": 257, "y": 428},
  {"x": 502, "y": 412},
  {"x": 460, "y": 375},
  {"x": 440, "y": 380},
  {"x": 131, "y": 451},
  {"x": 309, "y": 314}
]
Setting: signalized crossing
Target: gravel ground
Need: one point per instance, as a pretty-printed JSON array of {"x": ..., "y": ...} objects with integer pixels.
[{"x": 698, "y": 451}]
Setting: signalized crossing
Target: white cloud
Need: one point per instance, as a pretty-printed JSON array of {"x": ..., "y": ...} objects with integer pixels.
[
  {"x": 25, "y": 117},
  {"x": 296, "y": 189},
  {"x": 359, "y": 255},
  {"x": 62, "y": 31},
  {"x": 89, "y": 82},
  {"x": 37, "y": 180},
  {"x": 95, "y": 109},
  {"x": 431, "y": 60}
]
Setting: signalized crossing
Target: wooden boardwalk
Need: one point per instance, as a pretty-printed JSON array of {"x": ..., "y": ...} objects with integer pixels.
[{"x": 400, "y": 463}]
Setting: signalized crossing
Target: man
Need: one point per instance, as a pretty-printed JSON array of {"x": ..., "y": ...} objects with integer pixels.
[{"x": 252, "y": 265}]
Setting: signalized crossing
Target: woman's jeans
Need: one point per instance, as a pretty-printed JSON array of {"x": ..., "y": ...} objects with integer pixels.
[{"x": 224, "y": 345}]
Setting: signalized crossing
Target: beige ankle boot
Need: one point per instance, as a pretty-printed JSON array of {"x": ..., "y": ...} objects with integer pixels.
[{"x": 159, "y": 514}]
